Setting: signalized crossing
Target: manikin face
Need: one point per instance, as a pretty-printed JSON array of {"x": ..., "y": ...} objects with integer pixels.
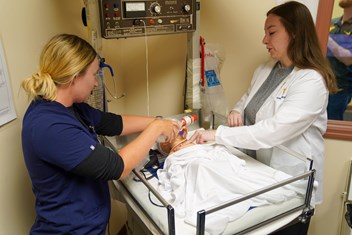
[
  {"x": 83, "y": 84},
  {"x": 178, "y": 143},
  {"x": 276, "y": 39}
]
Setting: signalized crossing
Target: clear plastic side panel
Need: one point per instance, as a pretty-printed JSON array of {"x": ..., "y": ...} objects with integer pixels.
[{"x": 217, "y": 120}]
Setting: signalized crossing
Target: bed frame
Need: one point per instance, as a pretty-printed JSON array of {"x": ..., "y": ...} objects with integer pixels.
[{"x": 301, "y": 212}]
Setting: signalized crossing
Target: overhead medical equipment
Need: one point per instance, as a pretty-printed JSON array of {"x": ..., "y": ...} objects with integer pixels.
[{"x": 123, "y": 18}]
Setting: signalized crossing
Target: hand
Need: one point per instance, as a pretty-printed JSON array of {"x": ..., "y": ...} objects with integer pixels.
[
  {"x": 202, "y": 137},
  {"x": 234, "y": 119},
  {"x": 169, "y": 128}
]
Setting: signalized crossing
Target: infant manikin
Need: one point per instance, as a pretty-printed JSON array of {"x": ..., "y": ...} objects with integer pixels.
[{"x": 178, "y": 143}]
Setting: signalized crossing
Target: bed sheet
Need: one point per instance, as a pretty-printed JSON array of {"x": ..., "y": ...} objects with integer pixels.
[{"x": 141, "y": 194}]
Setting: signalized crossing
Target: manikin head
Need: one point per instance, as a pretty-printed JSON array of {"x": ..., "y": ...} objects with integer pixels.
[{"x": 178, "y": 143}]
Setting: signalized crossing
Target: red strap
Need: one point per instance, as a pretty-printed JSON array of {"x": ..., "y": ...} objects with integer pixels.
[{"x": 202, "y": 43}]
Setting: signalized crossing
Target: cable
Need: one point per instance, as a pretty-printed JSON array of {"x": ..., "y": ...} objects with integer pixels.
[
  {"x": 149, "y": 196},
  {"x": 151, "y": 201},
  {"x": 146, "y": 65},
  {"x": 143, "y": 171}
]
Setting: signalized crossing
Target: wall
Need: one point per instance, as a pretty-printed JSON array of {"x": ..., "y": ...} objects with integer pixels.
[
  {"x": 329, "y": 214},
  {"x": 163, "y": 79},
  {"x": 237, "y": 25},
  {"x": 337, "y": 10}
]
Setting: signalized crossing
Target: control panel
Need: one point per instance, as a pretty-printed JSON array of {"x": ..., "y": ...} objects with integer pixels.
[{"x": 133, "y": 18}]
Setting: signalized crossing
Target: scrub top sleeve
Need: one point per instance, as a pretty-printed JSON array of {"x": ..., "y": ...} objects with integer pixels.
[
  {"x": 105, "y": 123},
  {"x": 65, "y": 146},
  {"x": 102, "y": 164},
  {"x": 93, "y": 114},
  {"x": 110, "y": 125}
]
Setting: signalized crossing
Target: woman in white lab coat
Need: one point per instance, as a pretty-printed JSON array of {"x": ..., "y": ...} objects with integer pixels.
[{"x": 286, "y": 102}]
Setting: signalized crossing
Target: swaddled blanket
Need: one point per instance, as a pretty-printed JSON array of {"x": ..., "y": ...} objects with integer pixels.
[{"x": 201, "y": 176}]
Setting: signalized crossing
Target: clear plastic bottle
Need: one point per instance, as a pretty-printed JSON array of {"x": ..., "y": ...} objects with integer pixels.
[{"x": 188, "y": 120}]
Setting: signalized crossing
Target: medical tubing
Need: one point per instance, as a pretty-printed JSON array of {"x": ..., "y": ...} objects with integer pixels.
[
  {"x": 115, "y": 96},
  {"x": 169, "y": 207},
  {"x": 151, "y": 188}
]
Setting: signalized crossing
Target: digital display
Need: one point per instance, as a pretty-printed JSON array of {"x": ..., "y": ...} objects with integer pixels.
[{"x": 135, "y": 6}]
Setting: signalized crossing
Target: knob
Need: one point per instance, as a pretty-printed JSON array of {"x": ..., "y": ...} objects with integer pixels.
[
  {"x": 187, "y": 8},
  {"x": 155, "y": 8}
]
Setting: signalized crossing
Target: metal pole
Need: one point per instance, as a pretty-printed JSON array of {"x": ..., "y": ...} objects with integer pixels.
[{"x": 97, "y": 99}]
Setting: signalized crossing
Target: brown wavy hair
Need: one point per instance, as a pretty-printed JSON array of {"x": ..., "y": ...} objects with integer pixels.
[{"x": 304, "y": 48}]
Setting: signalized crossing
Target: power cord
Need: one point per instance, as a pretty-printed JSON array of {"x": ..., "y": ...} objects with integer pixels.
[
  {"x": 149, "y": 196},
  {"x": 146, "y": 64}
]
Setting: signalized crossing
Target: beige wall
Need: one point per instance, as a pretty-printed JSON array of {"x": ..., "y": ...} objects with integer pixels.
[
  {"x": 166, "y": 66},
  {"x": 337, "y": 10},
  {"x": 337, "y": 163},
  {"x": 236, "y": 25}
]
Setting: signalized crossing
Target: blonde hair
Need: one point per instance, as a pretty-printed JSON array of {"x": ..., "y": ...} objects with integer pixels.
[{"x": 63, "y": 57}]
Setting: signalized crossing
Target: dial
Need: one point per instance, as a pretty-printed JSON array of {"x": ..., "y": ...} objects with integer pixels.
[
  {"x": 155, "y": 8},
  {"x": 187, "y": 7}
]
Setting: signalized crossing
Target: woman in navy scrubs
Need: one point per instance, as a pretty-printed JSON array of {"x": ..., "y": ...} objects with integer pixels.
[{"x": 68, "y": 167}]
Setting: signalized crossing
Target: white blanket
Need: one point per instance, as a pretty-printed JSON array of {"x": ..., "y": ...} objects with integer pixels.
[{"x": 202, "y": 176}]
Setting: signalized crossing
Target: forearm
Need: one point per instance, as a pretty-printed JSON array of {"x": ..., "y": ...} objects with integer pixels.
[
  {"x": 342, "y": 54},
  {"x": 135, "y": 151},
  {"x": 135, "y": 124}
]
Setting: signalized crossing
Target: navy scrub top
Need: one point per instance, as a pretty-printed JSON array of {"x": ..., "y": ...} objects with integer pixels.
[{"x": 54, "y": 142}]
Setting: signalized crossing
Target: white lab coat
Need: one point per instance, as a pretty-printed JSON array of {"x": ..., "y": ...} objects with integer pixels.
[{"x": 294, "y": 116}]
